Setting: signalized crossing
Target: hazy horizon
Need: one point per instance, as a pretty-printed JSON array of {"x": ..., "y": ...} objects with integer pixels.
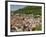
[{"x": 16, "y": 7}]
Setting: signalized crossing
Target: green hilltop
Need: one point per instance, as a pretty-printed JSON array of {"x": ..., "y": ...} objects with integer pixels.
[{"x": 35, "y": 10}]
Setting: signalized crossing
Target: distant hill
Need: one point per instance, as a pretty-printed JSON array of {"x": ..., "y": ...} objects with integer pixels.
[{"x": 35, "y": 10}]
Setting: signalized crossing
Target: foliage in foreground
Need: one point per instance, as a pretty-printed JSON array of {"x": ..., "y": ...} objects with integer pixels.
[{"x": 37, "y": 28}]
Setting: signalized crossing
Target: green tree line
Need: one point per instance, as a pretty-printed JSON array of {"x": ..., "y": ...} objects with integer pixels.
[{"x": 35, "y": 10}]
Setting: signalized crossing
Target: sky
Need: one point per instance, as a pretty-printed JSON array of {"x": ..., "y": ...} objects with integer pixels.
[{"x": 16, "y": 7}]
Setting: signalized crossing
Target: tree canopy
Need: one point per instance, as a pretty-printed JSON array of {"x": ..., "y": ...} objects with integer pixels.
[{"x": 35, "y": 10}]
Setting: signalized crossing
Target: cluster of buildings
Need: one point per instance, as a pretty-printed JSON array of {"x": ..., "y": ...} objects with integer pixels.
[{"x": 24, "y": 22}]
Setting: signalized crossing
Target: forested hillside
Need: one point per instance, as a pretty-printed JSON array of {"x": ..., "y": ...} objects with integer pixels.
[{"x": 35, "y": 10}]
